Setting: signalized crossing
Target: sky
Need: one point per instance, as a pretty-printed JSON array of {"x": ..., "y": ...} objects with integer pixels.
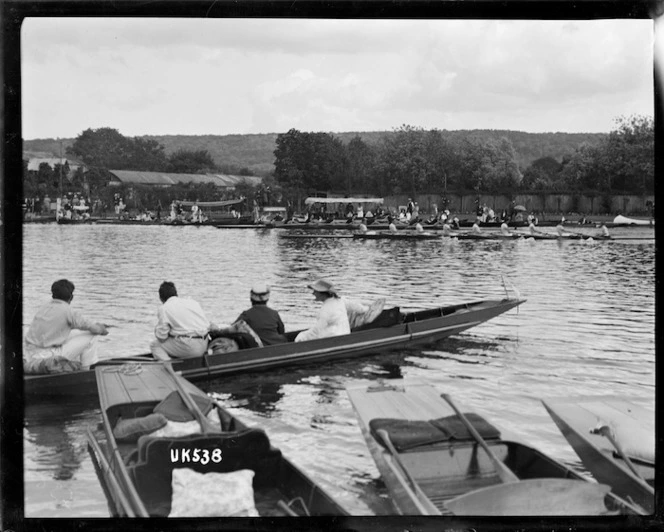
[{"x": 241, "y": 76}]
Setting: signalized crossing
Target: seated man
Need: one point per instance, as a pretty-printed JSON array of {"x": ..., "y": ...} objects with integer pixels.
[
  {"x": 333, "y": 316},
  {"x": 182, "y": 328},
  {"x": 51, "y": 346},
  {"x": 264, "y": 321}
]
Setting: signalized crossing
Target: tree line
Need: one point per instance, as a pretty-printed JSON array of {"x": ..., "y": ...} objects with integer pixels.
[
  {"x": 410, "y": 161},
  {"x": 416, "y": 161}
]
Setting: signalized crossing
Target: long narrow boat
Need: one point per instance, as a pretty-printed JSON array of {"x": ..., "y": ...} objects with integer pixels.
[
  {"x": 210, "y": 466},
  {"x": 391, "y": 330},
  {"x": 437, "y": 460},
  {"x": 399, "y": 235},
  {"x": 615, "y": 440}
]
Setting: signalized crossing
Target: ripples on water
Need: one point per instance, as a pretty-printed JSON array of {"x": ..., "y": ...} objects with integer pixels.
[{"x": 586, "y": 329}]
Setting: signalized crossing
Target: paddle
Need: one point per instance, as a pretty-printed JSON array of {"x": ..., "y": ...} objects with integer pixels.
[
  {"x": 606, "y": 431},
  {"x": 503, "y": 471},
  {"x": 395, "y": 454},
  {"x": 123, "y": 498},
  {"x": 206, "y": 426},
  {"x": 419, "y": 499}
]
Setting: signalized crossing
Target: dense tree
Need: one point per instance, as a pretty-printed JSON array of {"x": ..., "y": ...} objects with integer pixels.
[
  {"x": 191, "y": 161},
  {"x": 628, "y": 155},
  {"x": 581, "y": 171},
  {"x": 309, "y": 162},
  {"x": 360, "y": 168},
  {"x": 405, "y": 162},
  {"x": 542, "y": 174},
  {"x": 108, "y": 148}
]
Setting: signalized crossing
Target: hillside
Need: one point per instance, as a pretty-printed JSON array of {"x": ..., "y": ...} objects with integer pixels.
[{"x": 256, "y": 151}]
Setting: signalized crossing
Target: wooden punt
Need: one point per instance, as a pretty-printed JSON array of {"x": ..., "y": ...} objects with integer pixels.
[
  {"x": 137, "y": 477},
  {"x": 433, "y": 465},
  {"x": 391, "y": 330},
  {"x": 622, "y": 458}
]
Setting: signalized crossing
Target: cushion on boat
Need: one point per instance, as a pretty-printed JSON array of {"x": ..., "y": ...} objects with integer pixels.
[
  {"x": 386, "y": 318},
  {"x": 240, "y": 329},
  {"x": 177, "y": 429},
  {"x": 453, "y": 426},
  {"x": 362, "y": 313},
  {"x": 174, "y": 409},
  {"x": 203, "y": 453},
  {"x": 636, "y": 439},
  {"x": 405, "y": 434},
  {"x": 212, "y": 494},
  {"x": 129, "y": 430},
  {"x": 222, "y": 345}
]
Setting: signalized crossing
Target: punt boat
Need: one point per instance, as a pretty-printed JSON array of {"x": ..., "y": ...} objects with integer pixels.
[
  {"x": 391, "y": 330},
  {"x": 615, "y": 440},
  {"x": 186, "y": 473},
  {"x": 436, "y": 460}
]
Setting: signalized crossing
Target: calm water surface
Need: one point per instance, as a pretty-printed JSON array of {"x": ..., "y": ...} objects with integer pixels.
[{"x": 586, "y": 329}]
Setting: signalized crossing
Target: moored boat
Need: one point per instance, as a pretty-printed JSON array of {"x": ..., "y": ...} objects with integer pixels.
[
  {"x": 392, "y": 329},
  {"x": 615, "y": 440},
  {"x": 621, "y": 220},
  {"x": 170, "y": 450},
  {"x": 437, "y": 460}
]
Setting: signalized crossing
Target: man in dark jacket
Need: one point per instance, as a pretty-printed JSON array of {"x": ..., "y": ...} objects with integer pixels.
[{"x": 264, "y": 320}]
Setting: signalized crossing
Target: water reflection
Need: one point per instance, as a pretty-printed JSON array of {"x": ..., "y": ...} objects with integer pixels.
[{"x": 56, "y": 431}]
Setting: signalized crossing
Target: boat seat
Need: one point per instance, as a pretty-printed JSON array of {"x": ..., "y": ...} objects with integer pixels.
[
  {"x": 157, "y": 457},
  {"x": 405, "y": 434}
]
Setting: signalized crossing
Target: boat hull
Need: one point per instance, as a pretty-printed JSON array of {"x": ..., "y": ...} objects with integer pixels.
[
  {"x": 576, "y": 418},
  {"x": 429, "y": 476},
  {"x": 396, "y": 236},
  {"x": 138, "y": 481},
  {"x": 417, "y": 328}
]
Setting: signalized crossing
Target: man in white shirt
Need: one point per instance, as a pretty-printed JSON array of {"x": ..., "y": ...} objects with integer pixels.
[
  {"x": 333, "y": 316},
  {"x": 182, "y": 326},
  {"x": 60, "y": 339}
]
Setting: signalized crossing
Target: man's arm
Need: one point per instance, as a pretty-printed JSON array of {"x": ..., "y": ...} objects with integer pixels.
[
  {"x": 78, "y": 321},
  {"x": 162, "y": 328}
]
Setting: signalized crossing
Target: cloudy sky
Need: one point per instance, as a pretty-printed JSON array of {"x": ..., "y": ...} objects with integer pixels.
[{"x": 239, "y": 76}]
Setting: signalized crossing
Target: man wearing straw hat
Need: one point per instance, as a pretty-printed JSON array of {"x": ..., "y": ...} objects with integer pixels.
[
  {"x": 333, "y": 317},
  {"x": 264, "y": 321}
]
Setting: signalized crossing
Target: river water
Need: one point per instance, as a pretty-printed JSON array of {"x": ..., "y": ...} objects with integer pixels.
[{"x": 586, "y": 329}]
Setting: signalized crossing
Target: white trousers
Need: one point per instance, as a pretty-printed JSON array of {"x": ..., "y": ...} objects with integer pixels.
[
  {"x": 77, "y": 353},
  {"x": 178, "y": 347}
]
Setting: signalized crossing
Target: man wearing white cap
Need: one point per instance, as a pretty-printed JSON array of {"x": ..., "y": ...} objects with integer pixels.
[
  {"x": 264, "y": 321},
  {"x": 333, "y": 317}
]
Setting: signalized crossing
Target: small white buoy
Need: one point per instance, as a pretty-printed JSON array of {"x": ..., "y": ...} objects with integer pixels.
[
  {"x": 419, "y": 228},
  {"x": 393, "y": 228}
]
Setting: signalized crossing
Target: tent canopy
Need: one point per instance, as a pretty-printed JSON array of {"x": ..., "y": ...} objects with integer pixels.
[
  {"x": 202, "y": 204},
  {"x": 310, "y": 201}
]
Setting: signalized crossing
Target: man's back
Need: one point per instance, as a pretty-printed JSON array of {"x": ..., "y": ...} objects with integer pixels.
[{"x": 266, "y": 323}]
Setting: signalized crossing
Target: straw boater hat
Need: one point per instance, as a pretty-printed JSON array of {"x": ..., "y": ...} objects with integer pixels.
[
  {"x": 260, "y": 292},
  {"x": 323, "y": 286}
]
